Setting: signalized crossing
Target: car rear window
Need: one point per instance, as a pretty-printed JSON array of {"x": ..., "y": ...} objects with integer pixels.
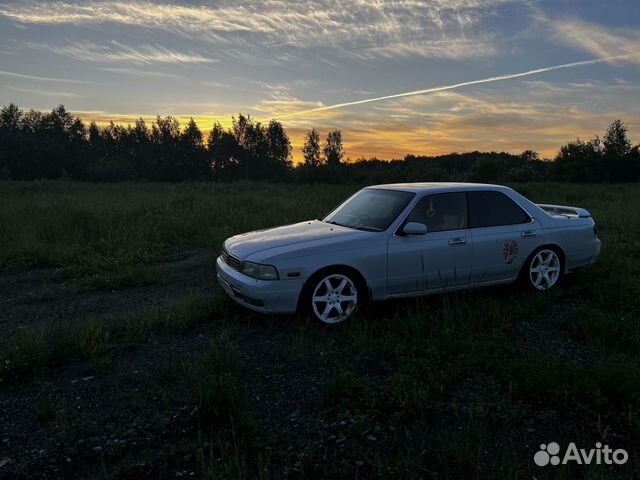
[
  {"x": 441, "y": 212},
  {"x": 491, "y": 209}
]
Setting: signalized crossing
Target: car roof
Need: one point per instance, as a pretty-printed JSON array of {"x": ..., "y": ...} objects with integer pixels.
[{"x": 420, "y": 187}]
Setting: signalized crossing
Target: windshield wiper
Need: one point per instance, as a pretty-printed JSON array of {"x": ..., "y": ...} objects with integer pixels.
[
  {"x": 359, "y": 227},
  {"x": 368, "y": 229}
]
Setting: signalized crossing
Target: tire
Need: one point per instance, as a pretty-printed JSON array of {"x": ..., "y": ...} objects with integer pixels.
[
  {"x": 331, "y": 296},
  {"x": 543, "y": 269}
]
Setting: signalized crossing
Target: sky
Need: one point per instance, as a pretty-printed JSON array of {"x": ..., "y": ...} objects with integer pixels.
[{"x": 326, "y": 64}]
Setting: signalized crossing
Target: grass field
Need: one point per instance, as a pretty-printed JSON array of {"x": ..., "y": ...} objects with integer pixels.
[{"x": 109, "y": 328}]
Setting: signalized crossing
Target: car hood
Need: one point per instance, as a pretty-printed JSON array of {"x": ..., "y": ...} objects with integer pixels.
[{"x": 247, "y": 244}]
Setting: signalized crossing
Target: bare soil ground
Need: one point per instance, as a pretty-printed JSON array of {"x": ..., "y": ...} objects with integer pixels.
[
  {"x": 36, "y": 298},
  {"x": 126, "y": 414}
]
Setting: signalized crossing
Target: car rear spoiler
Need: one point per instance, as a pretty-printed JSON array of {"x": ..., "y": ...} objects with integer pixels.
[{"x": 564, "y": 210}]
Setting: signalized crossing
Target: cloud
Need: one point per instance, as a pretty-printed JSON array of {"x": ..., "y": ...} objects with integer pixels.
[
  {"x": 134, "y": 72},
  {"x": 43, "y": 79},
  {"x": 118, "y": 53},
  {"x": 46, "y": 93},
  {"x": 453, "y": 48},
  {"x": 282, "y": 102},
  {"x": 593, "y": 38},
  {"x": 434, "y": 29}
]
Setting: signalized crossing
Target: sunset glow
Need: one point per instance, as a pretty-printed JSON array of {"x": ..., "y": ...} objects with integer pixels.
[{"x": 395, "y": 77}]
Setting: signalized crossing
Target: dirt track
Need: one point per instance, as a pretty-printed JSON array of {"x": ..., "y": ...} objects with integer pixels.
[
  {"x": 36, "y": 299},
  {"x": 126, "y": 415}
]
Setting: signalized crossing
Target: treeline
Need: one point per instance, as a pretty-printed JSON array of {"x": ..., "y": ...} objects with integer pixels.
[
  {"x": 57, "y": 144},
  {"x": 610, "y": 159}
]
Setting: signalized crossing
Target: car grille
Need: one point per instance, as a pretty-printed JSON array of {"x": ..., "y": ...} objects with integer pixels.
[{"x": 231, "y": 260}]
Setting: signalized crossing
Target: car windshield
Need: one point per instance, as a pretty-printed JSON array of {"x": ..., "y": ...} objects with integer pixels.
[{"x": 370, "y": 209}]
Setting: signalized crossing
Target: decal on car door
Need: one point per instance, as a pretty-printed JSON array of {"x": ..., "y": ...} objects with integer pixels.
[{"x": 510, "y": 251}]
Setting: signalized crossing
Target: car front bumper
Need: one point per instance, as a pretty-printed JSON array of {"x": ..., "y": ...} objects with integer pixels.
[{"x": 265, "y": 296}]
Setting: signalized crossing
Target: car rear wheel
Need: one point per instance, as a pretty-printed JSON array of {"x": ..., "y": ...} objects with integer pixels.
[
  {"x": 544, "y": 269},
  {"x": 334, "y": 297}
]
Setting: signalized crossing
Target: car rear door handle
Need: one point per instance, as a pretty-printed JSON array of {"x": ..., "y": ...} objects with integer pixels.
[
  {"x": 457, "y": 241},
  {"x": 528, "y": 233}
]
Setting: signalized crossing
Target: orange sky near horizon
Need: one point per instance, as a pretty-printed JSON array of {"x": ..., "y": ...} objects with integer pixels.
[{"x": 394, "y": 143}]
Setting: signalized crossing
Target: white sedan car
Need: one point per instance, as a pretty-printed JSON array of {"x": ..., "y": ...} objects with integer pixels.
[{"x": 405, "y": 240}]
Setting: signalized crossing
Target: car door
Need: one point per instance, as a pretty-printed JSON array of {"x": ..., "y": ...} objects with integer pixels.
[
  {"x": 503, "y": 235},
  {"x": 439, "y": 259}
]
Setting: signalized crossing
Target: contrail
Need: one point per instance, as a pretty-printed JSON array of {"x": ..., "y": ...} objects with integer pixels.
[{"x": 459, "y": 85}]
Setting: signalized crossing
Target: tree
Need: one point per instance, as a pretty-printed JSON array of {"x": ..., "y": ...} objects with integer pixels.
[
  {"x": 213, "y": 145},
  {"x": 333, "y": 150},
  {"x": 192, "y": 136},
  {"x": 609, "y": 159},
  {"x": 230, "y": 155},
  {"x": 487, "y": 170},
  {"x": 264, "y": 152},
  {"x": 10, "y": 142},
  {"x": 278, "y": 149},
  {"x": 31, "y": 122},
  {"x": 60, "y": 150},
  {"x": 59, "y": 121},
  {"x": 140, "y": 133},
  {"x": 579, "y": 161},
  {"x": 311, "y": 148},
  {"x": 165, "y": 135},
  {"x": 140, "y": 148},
  {"x": 94, "y": 136},
  {"x": 616, "y": 152},
  {"x": 634, "y": 160},
  {"x": 616, "y": 141},
  {"x": 248, "y": 137},
  {"x": 10, "y": 117},
  {"x": 192, "y": 157},
  {"x": 530, "y": 156},
  {"x": 165, "y": 131}
]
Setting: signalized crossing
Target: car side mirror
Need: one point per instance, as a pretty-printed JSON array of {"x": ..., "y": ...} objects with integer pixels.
[{"x": 414, "y": 228}]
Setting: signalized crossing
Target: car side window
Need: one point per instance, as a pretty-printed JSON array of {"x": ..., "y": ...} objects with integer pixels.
[
  {"x": 441, "y": 212},
  {"x": 491, "y": 209}
]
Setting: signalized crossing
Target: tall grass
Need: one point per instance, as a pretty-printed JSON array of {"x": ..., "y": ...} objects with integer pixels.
[
  {"x": 215, "y": 384},
  {"x": 112, "y": 232},
  {"x": 32, "y": 352}
]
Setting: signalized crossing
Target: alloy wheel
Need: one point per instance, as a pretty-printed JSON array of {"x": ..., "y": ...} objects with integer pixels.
[
  {"x": 334, "y": 298},
  {"x": 544, "y": 270}
]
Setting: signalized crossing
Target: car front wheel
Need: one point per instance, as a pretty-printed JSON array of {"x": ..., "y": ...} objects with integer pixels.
[
  {"x": 544, "y": 269},
  {"x": 333, "y": 297}
]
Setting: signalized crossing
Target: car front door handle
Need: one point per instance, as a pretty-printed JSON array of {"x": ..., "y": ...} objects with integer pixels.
[
  {"x": 457, "y": 241},
  {"x": 528, "y": 233}
]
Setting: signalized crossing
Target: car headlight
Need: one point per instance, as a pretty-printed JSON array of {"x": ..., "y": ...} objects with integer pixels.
[{"x": 261, "y": 272}]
